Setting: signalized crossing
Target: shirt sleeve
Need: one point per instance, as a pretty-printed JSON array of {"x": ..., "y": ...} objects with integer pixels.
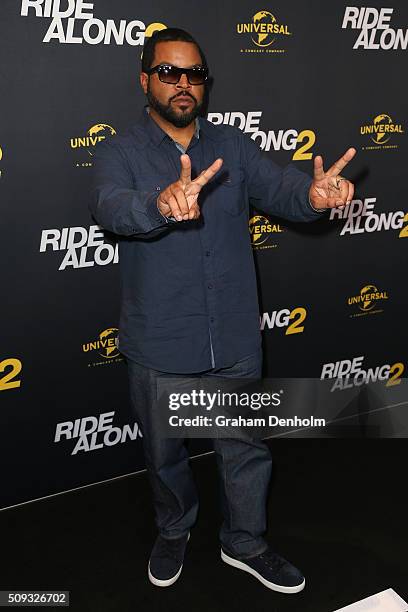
[
  {"x": 114, "y": 204},
  {"x": 283, "y": 192}
]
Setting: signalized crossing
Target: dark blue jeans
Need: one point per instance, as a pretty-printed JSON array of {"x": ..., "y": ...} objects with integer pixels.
[{"x": 244, "y": 468}]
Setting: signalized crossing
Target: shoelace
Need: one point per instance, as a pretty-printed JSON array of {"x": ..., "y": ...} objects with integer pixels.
[{"x": 272, "y": 560}]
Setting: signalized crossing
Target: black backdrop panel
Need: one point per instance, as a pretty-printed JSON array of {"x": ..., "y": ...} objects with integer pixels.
[{"x": 302, "y": 92}]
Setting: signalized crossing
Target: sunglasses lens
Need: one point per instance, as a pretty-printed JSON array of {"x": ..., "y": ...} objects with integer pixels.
[
  {"x": 172, "y": 74},
  {"x": 169, "y": 74},
  {"x": 197, "y": 76}
]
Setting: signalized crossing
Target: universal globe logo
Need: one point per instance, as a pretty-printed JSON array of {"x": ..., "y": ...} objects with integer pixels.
[
  {"x": 380, "y": 131},
  {"x": 93, "y": 135},
  {"x": 260, "y": 229},
  {"x": 368, "y": 295},
  {"x": 267, "y": 22},
  {"x": 106, "y": 345},
  {"x": 367, "y": 299},
  {"x": 264, "y": 29},
  {"x": 383, "y": 123}
]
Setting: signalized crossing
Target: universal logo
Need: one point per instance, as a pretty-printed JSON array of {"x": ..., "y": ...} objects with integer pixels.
[
  {"x": 367, "y": 300},
  {"x": 380, "y": 131},
  {"x": 85, "y": 144},
  {"x": 105, "y": 346},
  {"x": 261, "y": 230},
  {"x": 264, "y": 30}
]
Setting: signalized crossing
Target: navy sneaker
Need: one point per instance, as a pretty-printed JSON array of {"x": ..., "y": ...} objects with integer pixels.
[
  {"x": 166, "y": 560},
  {"x": 271, "y": 569}
]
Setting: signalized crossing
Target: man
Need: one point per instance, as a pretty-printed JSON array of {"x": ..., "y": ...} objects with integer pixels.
[{"x": 177, "y": 189}]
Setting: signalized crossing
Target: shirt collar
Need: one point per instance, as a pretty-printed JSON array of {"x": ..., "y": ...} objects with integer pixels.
[{"x": 156, "y": 133}]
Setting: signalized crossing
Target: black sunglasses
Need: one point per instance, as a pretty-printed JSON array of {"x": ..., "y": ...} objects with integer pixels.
[{"x": 172, "y": 74}]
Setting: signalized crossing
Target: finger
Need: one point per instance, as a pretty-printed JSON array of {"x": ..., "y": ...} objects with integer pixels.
[
  {"x": 194, "y": 212},
  {"x": 330, "y": 203},
  {"x": 350, "y": 194},
  {"x": 341, "y": 163},
  {"x": 185, "y": 174},
  {"x": 343, "y": 193},
  {"x": 336, "y": 203},
  {"x": 318, "y": 171},
  {"x": 180, "y": 196},
  {"x": 204, "y": 176},
  {"x": 192, "y": 201},
  {"x": 344, "y": 189},
  {"x": 174, "y": 207},
  {"x": 163, "y": 207}
]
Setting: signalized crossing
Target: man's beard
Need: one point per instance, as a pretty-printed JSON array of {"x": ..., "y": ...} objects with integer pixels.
[{"x": 166, "y": 111}]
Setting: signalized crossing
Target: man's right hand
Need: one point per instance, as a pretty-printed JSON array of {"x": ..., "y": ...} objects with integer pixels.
[{"x": 179, "y": 199}]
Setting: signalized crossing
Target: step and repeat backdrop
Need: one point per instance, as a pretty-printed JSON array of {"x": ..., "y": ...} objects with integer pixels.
[{"x": 299, "y": 78}]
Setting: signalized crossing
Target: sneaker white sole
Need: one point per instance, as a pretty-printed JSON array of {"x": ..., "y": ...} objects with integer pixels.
[
  {"x": 270, "y": 585},
  {"x": 169, "y": 581}
]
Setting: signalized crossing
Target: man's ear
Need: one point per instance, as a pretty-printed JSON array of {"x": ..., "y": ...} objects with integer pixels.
[{"x": 143, "y": 81}]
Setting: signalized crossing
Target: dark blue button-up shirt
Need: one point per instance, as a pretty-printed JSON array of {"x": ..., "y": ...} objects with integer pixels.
[{"x": 188, "y": 289}]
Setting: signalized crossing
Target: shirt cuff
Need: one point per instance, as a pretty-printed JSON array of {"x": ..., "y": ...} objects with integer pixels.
[{"x": 154, "y": 214}]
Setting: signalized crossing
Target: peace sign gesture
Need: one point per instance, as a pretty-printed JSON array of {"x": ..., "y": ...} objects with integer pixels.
[
  {"x": 330, "y": 189},
  {"x": 179, "y": 199}
]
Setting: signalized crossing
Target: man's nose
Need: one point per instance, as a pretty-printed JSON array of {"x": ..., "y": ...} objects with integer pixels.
[{"x": 183, "y": 82}]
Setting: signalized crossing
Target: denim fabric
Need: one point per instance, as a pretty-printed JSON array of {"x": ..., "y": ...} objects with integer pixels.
[{"x": 244, "y": 468}]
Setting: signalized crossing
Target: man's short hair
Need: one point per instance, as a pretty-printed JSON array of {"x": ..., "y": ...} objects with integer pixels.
[{"x": 167, "y": 35}]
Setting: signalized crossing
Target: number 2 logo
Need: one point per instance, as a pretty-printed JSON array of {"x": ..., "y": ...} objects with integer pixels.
[
  {"x": 310, "y": 137},
  {"x": 7, "y": 381},
  {"x": 404, "y": 232}
]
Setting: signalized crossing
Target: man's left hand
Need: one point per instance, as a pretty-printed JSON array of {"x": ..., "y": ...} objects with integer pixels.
[{"x": 330, "y": 189}]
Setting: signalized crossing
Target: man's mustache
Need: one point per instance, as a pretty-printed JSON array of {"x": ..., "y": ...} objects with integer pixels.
[{"x": 183, "y": 95}]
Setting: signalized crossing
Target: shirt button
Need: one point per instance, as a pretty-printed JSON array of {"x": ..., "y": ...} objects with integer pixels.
[
  {"x": 210, "y": 286},
  {"x": 212, "y": 319},
  {"x": 207, "y": 253}
]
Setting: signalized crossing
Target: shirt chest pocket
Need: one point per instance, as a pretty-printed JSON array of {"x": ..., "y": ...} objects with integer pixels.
[
  {"x": 151, "y": 182},
  {"x": 229, "y": 190}
]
